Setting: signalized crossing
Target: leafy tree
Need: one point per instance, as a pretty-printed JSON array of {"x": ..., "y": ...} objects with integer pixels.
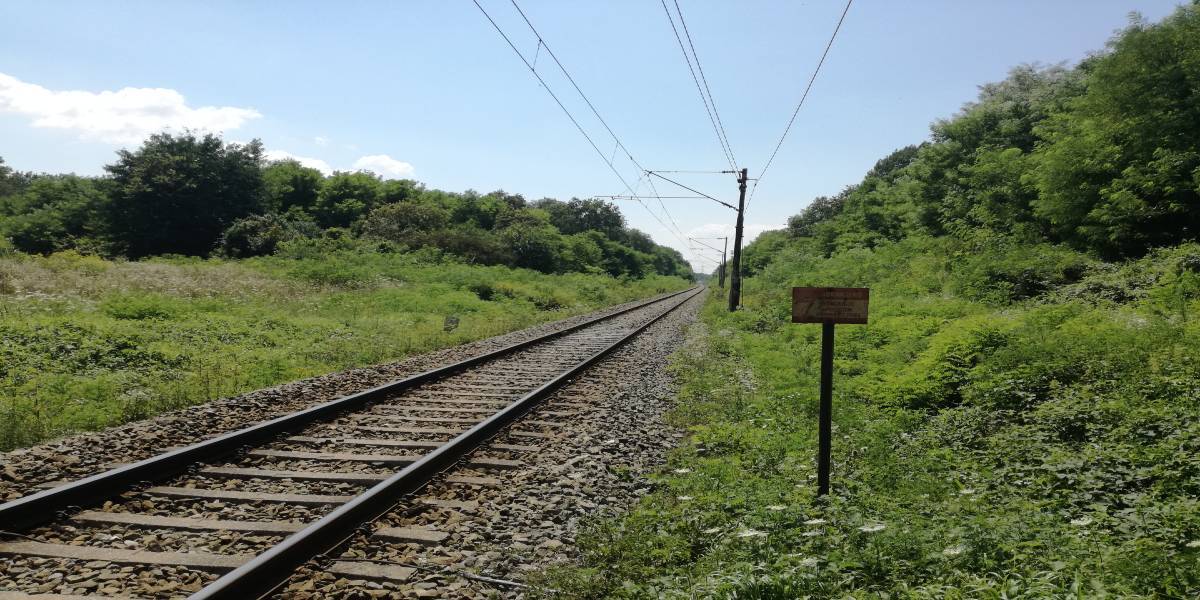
[
  {"x": 577, "y": 215},
  {"x": 397, "y": 222},
  {"x": 345, "y": 198},
  {"x": 260, "y": 235},
  {"x": 471, "y": 243},
  {"x": 291, "y": 185},
  {"x": 399, "y": 190},
  {"x": 821, "y": 209},
  {"x": 1120, "y": 170},
  {"x": 581, "y": 253},
  {"x": 54, "y": 212},
  {"x": 534, "y": 242},
  {"x": 178, "y": 193}
]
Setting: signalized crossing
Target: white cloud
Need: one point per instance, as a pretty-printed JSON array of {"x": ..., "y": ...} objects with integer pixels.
[
  {"x": 382, "y": 164},
  {"x": 126, "y": 116},
  {"x": 321, "y": 140},
  {"x": 314, "y": 163}
]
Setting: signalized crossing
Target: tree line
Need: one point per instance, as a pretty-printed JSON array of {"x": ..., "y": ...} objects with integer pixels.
[
  {"x": 196, "y": 195},
  {"x": 1103, "y": 157}
]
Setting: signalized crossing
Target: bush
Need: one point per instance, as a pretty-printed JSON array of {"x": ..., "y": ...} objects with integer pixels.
[
  {"x": 260, "y": 235},
  {"x": 397, "y": 222}
]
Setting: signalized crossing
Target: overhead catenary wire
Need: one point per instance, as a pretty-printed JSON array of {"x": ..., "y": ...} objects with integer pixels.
[
  {"x": 803, "y": 97},
  {"x": 704, "y": 80},
  {"x": 703, "y": 98},
  {"x": 582, "y": 131},
  {"x": 607, "y": 161}
]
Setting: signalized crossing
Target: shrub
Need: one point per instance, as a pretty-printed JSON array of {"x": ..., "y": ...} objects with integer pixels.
[{"x": 260, "y": 235}]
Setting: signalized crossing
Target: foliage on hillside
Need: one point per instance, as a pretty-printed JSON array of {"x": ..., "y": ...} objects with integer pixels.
[
  {"x": 86, "y": 342},
  {"x": 1021, "y": 417},
  {"x": 195, "y": 196},
  {"x": 1104, "y": 157},
  {"x": 983, "y": 447}
]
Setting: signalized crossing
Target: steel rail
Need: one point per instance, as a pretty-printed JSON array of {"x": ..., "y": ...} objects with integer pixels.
[
  {"x": 35, "y": 509},
  {"x": 267, "y": 571}
]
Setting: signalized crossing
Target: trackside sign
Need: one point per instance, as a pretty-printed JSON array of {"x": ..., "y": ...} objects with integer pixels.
[{"x": 830, "y": 305}]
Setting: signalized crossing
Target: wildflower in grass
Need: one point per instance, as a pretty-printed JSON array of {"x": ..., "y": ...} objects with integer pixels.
[
  {"x": 966, "y": 491},
  {"x": 747, "y": 533},
  {"x": 683, "y": 498},
  {"x": 1193, "y": 544},
  {"x": 815, "y": 522},
  {"x": 712, "y": 530},
  {"x": 813, "y": 533},
  {"x": 954, "y": 550},
  {"x": 810, "y": 562},
  {"x": 776, "y": 507},
  {"x": 872, "y": 527},
  {"x": 681, "y": 471},
  {"x": 1081, "y": 521}
]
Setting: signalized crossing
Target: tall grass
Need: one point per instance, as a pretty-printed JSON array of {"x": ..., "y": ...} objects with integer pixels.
[
  {"x": 989, "y": 442},
  {"x": 87, "y": 343}
]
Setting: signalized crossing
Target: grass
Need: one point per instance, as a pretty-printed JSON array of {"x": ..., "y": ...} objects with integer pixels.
[
  {"x": 86, "y": 343},
  {"x": 1017, "y": 424}
]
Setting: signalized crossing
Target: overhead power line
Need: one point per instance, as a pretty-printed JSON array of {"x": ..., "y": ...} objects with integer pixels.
[
  {"x": 553, "y": 95},
  {"x": 803, "y": 97},
  {"x": 607, "y": 160},
  {"x": 703, "y": 98},
  {"x": 704, "y": 80}
]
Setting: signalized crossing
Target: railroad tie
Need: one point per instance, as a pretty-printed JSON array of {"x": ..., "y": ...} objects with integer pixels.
[
  {"x": 391, "y": 459},
  {"x": 236, "y": 496},
  {"x": 337, "y": 476},
  {"x": 371, "y": 570},
  {"x": 411, "y": 535},
  {"x": 398, "y": 443},
  {"x": 471, "y": 480},
  {"x": 194, "y": 560},
  {"x": 436, "y": 409},
  {"x": 187, "y": 523}
]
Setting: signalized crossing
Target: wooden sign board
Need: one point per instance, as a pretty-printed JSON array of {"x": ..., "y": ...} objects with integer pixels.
[{"x": 829, "y": 305}]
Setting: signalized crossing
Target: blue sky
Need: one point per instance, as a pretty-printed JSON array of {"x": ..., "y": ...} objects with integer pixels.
[{"x": 428, "y": 89}]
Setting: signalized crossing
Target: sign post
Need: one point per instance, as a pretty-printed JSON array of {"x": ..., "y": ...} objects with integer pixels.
[{"x": 828, "y": 306}]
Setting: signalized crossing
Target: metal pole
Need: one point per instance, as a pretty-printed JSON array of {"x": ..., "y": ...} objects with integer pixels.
[
  {"x": 825, "y": 427},
  {"x": 723, "y": 265},
  {"x": 735, "y": 278}
]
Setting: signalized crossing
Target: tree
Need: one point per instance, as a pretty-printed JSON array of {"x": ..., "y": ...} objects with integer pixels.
[
  {"x": 399, "y": 190},
  {"x": 577, "y": 215},
  {"x": 345, "y": 198},
  {"x": 260, "y": 235},
  {"x": 291, "y": 185},
  {"x": 1119, "y": 172},
  {"x": 179, "y": 193},
  {"x": 398, "y": 222},
  {"x": 54, "y": 212},
  {"x": 534, "y": 242},
  {"x": 12, "y": 182}
]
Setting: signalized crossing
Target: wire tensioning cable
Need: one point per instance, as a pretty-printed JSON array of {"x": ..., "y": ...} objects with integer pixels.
[
  {"x": 803, "y": 97},
  {"x": 655, "y": 173}
]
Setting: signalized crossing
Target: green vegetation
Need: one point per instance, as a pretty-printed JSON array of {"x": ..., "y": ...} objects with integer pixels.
[
  {"x": 197, "y": 196},
  {"x": 1021, "y": 417},
  {"x": 305, "y": 274},
  {"x": 87, "y": 343}
]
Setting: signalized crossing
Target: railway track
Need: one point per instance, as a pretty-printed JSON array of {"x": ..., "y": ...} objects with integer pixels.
[{"x": 236, "y": 515}]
